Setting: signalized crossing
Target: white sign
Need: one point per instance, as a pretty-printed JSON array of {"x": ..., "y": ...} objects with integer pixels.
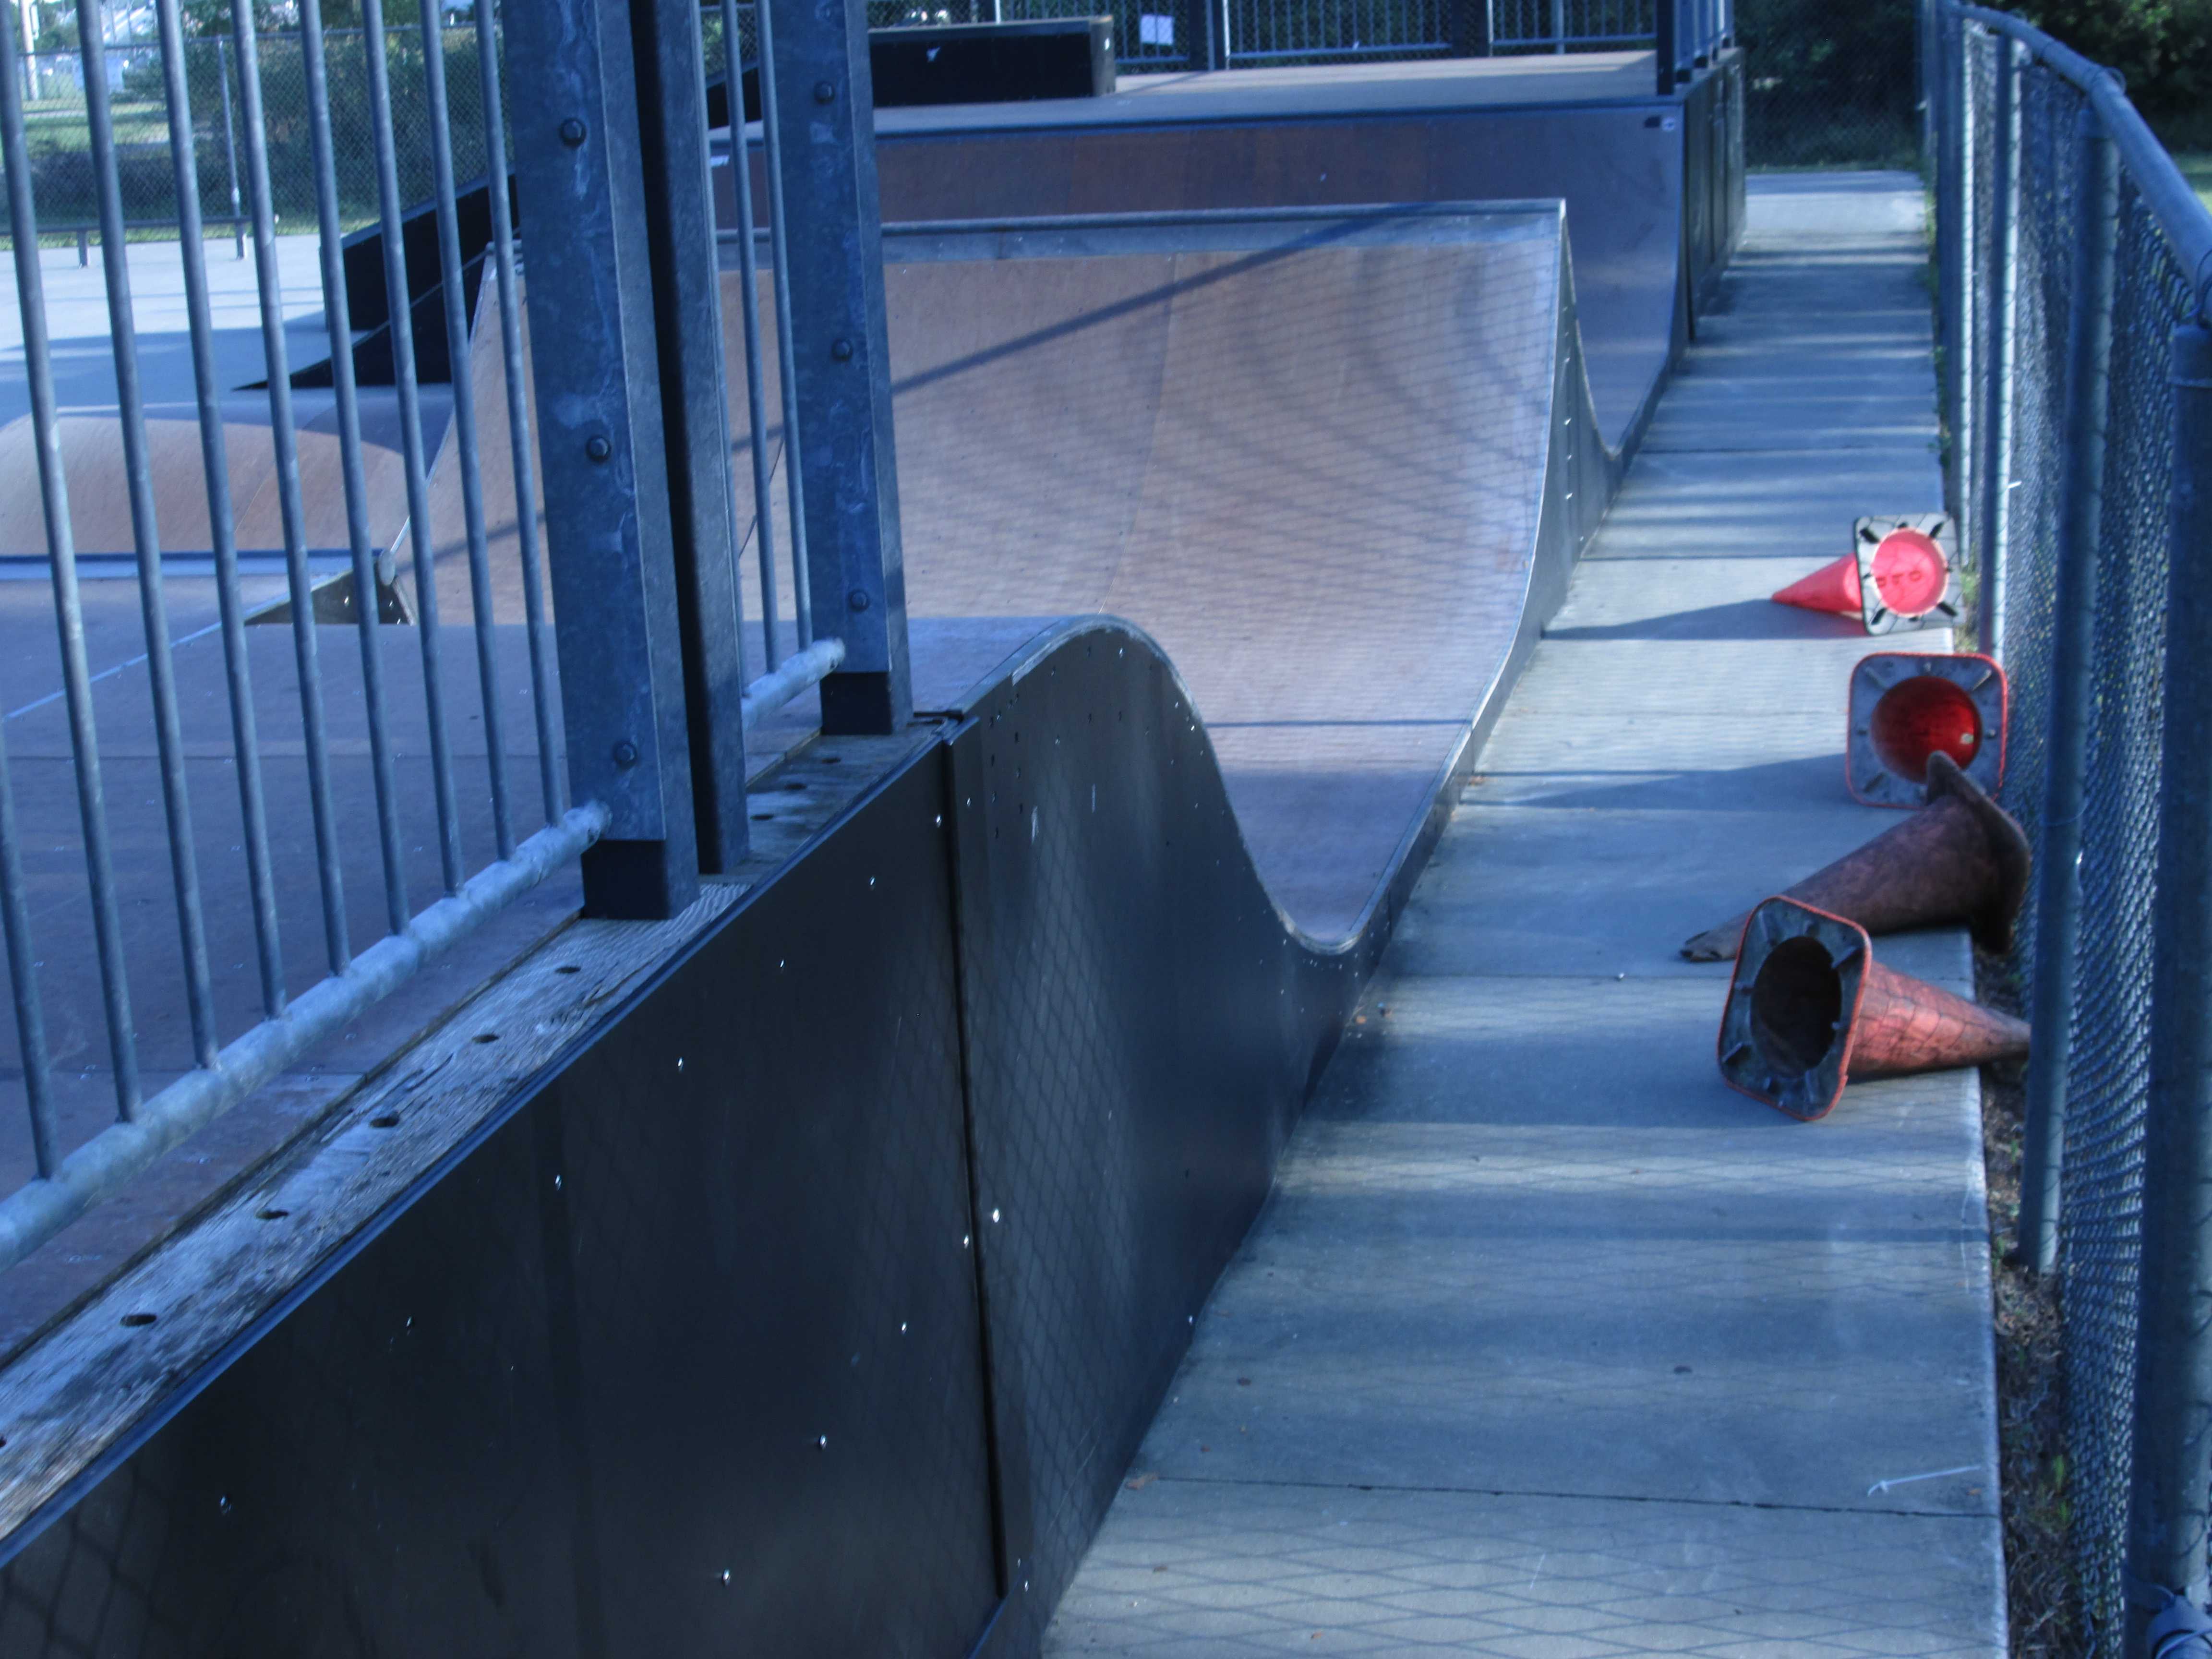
[{"x": 1154, "y": 30}]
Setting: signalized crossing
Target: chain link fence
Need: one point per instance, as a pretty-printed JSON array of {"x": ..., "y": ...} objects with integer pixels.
[
  {"x": 1829, "y": 86},
  {"x": 2044, "y": 302}
]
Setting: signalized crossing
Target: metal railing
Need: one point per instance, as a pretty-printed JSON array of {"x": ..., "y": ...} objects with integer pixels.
[
  {"x": 1691, "y": 34},
  {"x": 2077, "y": 393},
  {"x": 403, "y": 774},
  {"x": 1560, "y": 26}
]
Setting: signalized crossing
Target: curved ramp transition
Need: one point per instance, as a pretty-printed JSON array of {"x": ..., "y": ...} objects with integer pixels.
[
  {"x": 1338, "y": 462},
  {"x": 818, "y": 1292}
]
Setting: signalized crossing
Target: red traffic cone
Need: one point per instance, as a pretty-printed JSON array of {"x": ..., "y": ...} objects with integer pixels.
[
  {"x": 1897, "y": 575},
  {"x": 1905, "y": 707},
  {"x": 1960, "y": 858},
  {"x": 1833, "y": 587},
  {"x": 1906, "y": 578},
  {"x": 1809, "y": 1008}
]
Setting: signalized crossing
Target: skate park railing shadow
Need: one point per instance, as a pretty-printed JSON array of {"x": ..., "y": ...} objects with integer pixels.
[
  {"x": 2074, "y": 260},
  {"x": 849, "y": 1176}
]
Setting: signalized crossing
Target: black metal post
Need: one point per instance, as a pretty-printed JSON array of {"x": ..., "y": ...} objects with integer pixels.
[
  {"x": 598, "y": 378},
  {"x": 1666, "y": 43},
  {"x": 679, "y": 206},
  {"x": 1994, "y": 475},
  {"x": 2058, "y": 847},
  {"x": 2171, "y": 1489},
  {"x": 1470, "y": 28},
  {"x": 841, "y": 349}
]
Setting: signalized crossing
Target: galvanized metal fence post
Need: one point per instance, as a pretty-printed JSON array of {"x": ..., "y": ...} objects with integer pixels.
[
  {"x": 230, "y": 146},
  {"x": 679, "y": 204},
  {"x": 608, "y": 533},
  {"x": 2171, "y": 1491},
  {"x": 2058, "y": 848},
  {"x": 1994, "y": 474},
  {"x": 1951, "y": 240},
  {"x": 841, "y": 346}
]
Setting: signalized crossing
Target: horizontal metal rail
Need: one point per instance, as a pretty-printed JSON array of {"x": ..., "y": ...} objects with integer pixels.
[
  {"x": 37, "y": 1211},
  {"x": 789, "y": 678}
]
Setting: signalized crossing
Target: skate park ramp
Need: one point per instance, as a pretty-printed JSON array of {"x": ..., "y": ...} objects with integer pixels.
[
  {"x": 1336, "y": 464},
  {"x": 1635, "y": 169}
]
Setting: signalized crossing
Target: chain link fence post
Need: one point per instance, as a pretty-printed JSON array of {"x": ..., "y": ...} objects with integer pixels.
[
  {"x": 1994, "y": 475},
  {"x": 2058, "y": 848}
]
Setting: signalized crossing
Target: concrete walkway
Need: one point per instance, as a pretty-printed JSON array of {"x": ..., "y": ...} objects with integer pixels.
[{"x": 1548, "y": 1345}]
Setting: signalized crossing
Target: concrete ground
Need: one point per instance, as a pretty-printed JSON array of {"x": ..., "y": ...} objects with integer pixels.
[{"x": 1548, "y": 1345}]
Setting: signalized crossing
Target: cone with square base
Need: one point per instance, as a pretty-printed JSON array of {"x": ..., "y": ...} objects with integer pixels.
[
  {"x": 1897, "y": 575},
  {"x": 1905, "y": 707},
  {"x": 1809, "y": 1008},
  {"x": 1961, "y": 858}
]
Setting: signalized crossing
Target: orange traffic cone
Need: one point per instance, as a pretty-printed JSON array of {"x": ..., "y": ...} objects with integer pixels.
[
  {"x": 1897, "y": 575},
  {"x": 1906, "y": 707},
  {"x": 1960, "y": 858},
  {"x": 1809, "y": 1008},
  {"x": 1833, "y": 587}
]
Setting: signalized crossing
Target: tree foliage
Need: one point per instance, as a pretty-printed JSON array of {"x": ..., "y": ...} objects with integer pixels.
[{"x": 2163, "y": 48}]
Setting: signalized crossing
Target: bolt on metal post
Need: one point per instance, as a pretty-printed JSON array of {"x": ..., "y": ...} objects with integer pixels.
[
  {"x": 2058, "y": 848},
  {"x": 2172, "y": 1488}
]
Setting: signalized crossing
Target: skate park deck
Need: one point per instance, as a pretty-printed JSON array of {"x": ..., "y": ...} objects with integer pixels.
[{"x": 1547, "y": 1343}]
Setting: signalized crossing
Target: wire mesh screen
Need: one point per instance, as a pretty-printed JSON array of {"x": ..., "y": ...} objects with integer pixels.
[
  {"x": 2048, "y": 170},
  {"x": 2107, "y": 1061},
  {"x": 1830, "y": 86}
]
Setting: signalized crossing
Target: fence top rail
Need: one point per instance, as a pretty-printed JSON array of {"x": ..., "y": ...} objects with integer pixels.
[{"x": 2183, "y": 218}]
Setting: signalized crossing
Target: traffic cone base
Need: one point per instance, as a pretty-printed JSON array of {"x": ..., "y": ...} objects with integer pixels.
[
  {"x": 1906, "y": 576},
  {"x": 1960, "y": 858},
  {"x": 1905, "y": 707},
  {"x": 1809, "y": 1008}
]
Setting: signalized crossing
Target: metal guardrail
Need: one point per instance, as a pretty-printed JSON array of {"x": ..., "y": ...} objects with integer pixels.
[
  {"x": 2077, "y": 397},
  {"x": 645, "y": 628}
]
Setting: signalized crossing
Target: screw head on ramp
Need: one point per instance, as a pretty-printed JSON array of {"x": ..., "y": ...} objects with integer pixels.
[{"x": 1906, "y": 705}]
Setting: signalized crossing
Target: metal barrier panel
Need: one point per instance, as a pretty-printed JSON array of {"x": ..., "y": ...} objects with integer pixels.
[{"x": 302, "y": 674}]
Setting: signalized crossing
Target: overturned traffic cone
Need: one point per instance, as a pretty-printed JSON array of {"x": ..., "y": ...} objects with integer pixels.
[
  {"x": 1960, "y": 858},
  {"x": 1810, "y": 1009},
  {"x": 1906, "y": 707},
  {"x": 1897, "y": 576}
]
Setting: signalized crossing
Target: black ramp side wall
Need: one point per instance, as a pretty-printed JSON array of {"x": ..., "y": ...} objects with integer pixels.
[
  {"x": 1142, "y": 1028},
  {"x": 631, "y": 1379}
]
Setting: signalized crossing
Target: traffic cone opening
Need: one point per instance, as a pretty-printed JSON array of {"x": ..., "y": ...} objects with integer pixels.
[
  {"x": 1797, "y": 1003},
  {"x": 1910, "y": 572},
  {"x": 1917, "y": 718}
]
